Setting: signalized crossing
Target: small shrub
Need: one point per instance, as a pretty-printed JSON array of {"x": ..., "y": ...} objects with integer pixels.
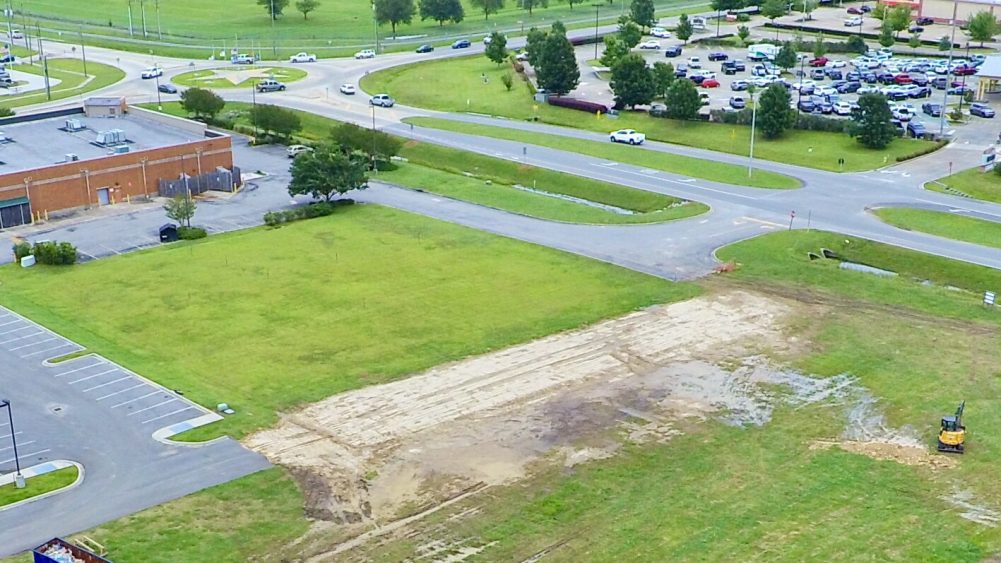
[
  {"x": 320, "y": 209},
  {"x": 21, "y": 250},
  {"x": 54, "y": 253},
  {"x": 6, "y": 111},
  {"x": 507, "y": 80},
  {"x": 518, "y": 67},
  {"x": 922, "y": 152},
  {"x": 191, "y": 233},
  {"x": 996, "y": 170},
  {"x": 743, "y": 18}
]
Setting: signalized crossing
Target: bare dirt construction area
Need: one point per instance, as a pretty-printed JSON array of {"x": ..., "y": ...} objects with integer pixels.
[{"x": 380, "y": 457}]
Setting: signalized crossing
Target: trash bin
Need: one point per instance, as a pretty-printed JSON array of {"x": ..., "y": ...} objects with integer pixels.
[{"x": 168, "y": 233}]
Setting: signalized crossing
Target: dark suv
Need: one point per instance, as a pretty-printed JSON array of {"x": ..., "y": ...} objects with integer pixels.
[{"x": 673, "y": 51}]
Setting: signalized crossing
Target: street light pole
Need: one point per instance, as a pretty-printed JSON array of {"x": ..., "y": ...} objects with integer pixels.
[
  {"x": 375, "y": 27},
  {"x": 802, "y": 73},
  {"x": 948, "y": 72},
  {"x": 596, "y": 7},
  {"x": 159, "y": 103},
  {"x": 274, "y": 45},
  {"x": 83, "y": 52},
  {"x": 18, "y": 478},
  {"x": 754, "y": 116}
]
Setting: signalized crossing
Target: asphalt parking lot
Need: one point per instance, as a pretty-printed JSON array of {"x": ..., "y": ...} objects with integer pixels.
[{"x": 103, "y": 416}]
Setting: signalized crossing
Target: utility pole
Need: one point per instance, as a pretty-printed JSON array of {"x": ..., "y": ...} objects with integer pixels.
[
  {"x": 131, "y": 34},
  {"x": 375, "y": 27},
  {"x": 9, "y": 12},
  {"x": 754, "y": 115},
  {"x": 596, "y": 7},
  {"x": 159, "y": 34},
  {"x": 945, "y": 91},
  {"x": 274, "y": 45},
  {"x": 159, "y": 103},
  {"x": 45, "y": 62},
  {"x": 83, "y": 52},
  {"x": 142, "y": 12}
]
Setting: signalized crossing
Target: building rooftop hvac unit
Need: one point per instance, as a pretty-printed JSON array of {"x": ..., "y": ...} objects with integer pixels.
[
  {"x": 121, "y": 149},
  {"x": 74, "y": 125},
  {"x": 111, "y": 137}
]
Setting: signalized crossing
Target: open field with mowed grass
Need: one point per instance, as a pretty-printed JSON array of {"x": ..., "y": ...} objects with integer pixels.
[
  {"x": 72, "y": 80},
  {"x": 464, "y": 175},
  {"x": 305, "y": 311},
  {"x": 216, "y": 78},
  {"x": 457, "y": 85},
  {"x": 39, "y": 485},
  {"x": 946, "y": 225},
  {"x": 677, "y": 164},
  {"x": 972, "y": 182}
]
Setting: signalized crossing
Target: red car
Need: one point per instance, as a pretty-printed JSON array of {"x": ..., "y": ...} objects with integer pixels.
[
  {"x": 710, "y": 83},
  {"x": 903, "y": 78},
  {"x": 964, "y": 70},
  {"x": 819, "y": 61},
  {"x": 854, "y": 11}
]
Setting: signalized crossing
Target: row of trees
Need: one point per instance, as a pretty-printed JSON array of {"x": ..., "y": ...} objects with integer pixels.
[{"x": 275, "y": 8}]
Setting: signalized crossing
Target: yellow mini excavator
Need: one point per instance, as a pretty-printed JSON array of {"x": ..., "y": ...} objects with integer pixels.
[{"x": 952, "y": 435}]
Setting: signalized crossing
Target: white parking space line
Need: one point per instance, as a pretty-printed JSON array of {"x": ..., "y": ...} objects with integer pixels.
[
  {"x": 93, "y": 376},
  {"x": 170, "y": 400},
  {"x": 89, "y": 389},
  {"x": 16, "y": 329},
  {"x": 10, "y": 322},
  {"x": 63, "y": 345},
  {"x": 29, "y": 442},
  {"x": 22, "y": 337},
  {"x": 136, "y": 399},
  {"x": 80, "y": 368},
  {"x": 50, "y": 339},
  {"x": 168, "y": 414},
  {"x": 26, "y": 456},
  {"x": 8, "y": 435},
  {"x": 118, "y": 392}
]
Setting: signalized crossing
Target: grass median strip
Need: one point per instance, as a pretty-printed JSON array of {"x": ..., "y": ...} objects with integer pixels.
[
  {"x": 972, "y": 182},
  {"x": 946, "y": 225},
  {"x": 72, "y": 80},
  {"x": 39, "y": 485},
  {"x": 675, "y": 164}
]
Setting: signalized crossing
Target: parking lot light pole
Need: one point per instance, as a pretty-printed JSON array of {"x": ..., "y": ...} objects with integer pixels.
[
  {"x": 802, "y": 72},
  {"x": 159, "y": 102},
  {"x": 948, "y": 71},
  {"x": 18, "y": 478},
  {"x": 754, "y": 115}
]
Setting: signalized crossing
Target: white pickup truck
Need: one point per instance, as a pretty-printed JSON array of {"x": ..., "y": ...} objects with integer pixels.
[
  {"x": 302, "y": 58},
  {"x": 627, "y": 136}
]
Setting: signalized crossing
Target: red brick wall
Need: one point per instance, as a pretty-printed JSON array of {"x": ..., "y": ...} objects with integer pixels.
[{"x": 75, "y": 184}]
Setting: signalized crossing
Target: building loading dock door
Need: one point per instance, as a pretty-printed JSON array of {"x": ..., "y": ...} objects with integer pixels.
[
  {"x": 103, "y": 197},
  {"x": 14, "y": 212}
]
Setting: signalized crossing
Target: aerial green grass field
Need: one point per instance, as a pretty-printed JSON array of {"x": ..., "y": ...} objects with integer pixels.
[
  {"x": 210, "y": 78},
  {"x": 972, "y": 182},
  {"x": 318, "y": 307},
  {"x": 457, "y": 85},
  {"x": 36, "y": 486},
  {"x": 72, "y": 80},
  {"x": 947, "y": 225},
  {"x": 491, "y": 181},
  {"x": 677, "y": 164}
]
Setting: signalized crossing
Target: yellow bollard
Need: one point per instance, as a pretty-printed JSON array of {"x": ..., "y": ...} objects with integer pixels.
[
  {"x": 46, "y": 214},
  {"x": 128, "y": 198}
]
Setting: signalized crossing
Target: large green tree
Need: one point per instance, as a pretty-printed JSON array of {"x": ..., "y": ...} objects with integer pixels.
[
  {"x": 632, "y": 83},
  {"x": 394, "y": 12},
  {"x": 276, "y": 120},
  {"x": 556, "y": 69},
  {"x": 306, "y": 6},
  {"x": 274, "y": 8},
  {"x": 532, "y": 4},
  {"x": 872, "y": 125},
  {"x": 786, "y": 57},
  {"x": 886, "y": 36},
  {"x": 629, "y": 32},
  {"x": 204, "y": 104},
  {"x": 663, "y": 77},
  {"x": 684, "y": 29},
  {"x": 496, "y": 51},
  {"x": 898, "y": 18},
  {"x": 487, "y": 6},
  {"x": 535, "y": 42},
  {"x": 774, "y": 9},
  {"x": 983, "y": 27},
  {"x": 326, "y": 172},
  {"x": 642, "y": 12},
  {"x": 682, "y": 100},
  {"x": 378, "y": 145},
  {"x": 615, "y": 49},
  {"x": 774, "y": 113},
  {"x": 442, "y": 11}
]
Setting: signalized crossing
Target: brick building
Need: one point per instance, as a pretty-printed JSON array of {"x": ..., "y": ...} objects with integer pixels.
[{"x": 57, "y": 162}]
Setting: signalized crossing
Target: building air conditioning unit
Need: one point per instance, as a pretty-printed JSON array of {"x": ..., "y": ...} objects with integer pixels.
[
  {"x": 70, "y": 157},
  {"x": 111, "y": 137},
  {"x": 121, "y": 149},
  {"x": 74, "y": 125}
]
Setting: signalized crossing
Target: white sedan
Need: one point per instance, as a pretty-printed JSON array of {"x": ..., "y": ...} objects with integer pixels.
[
  {"x": 650, "y": 44},
  {"x": 348, "y": 89},
  {"x": 660, "y": 32},
  {"x": 627, "y": 136},
  {"x": 295, "y": 150},
  {"x": 152, "y": 72},
  {"x": 836, "y": 64},
  {"x": 365, "y": 54},
  {"x": 853, "y": 22},
  {"x": 843, "y": 108},
  {"x": 302, "y": 58}
]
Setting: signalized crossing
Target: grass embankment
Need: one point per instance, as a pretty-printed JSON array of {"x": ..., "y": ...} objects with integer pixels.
[
  {"x": 463, "y": 175},
  {"x": 457, "y": 85},
  {"x": 320, "y": 307},
  {"x": 215, "y": 78},
  {"x": 72, "y": 80},
  {"x": 946, "y": 225},
  {"x": 39, "y": 485},
  {"x": 972, "y": 182},
  {"x": 676, "y": 164}
]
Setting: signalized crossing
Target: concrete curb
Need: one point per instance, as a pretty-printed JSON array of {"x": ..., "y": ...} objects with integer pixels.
[
  {"x": 163, "y": 435},
  {"x": 42, "y": 469}
]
